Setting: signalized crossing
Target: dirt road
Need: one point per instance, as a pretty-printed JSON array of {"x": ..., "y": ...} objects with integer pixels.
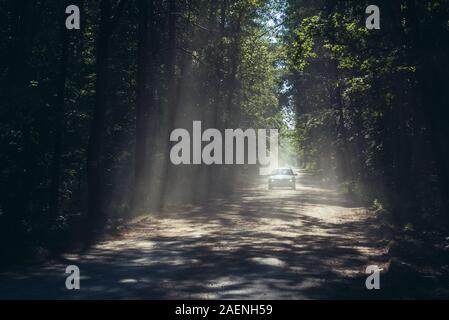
[{"x": 258, "y": 244}]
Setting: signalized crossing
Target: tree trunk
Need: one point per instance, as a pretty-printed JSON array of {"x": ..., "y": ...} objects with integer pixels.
[
  {"x": 59, "y": 106},
  {"x": 171, "y": 97},
  {"x": 232, "y": 110},
  {"x": 94, "y": 152},
  {"x": 144, "y": 98}
]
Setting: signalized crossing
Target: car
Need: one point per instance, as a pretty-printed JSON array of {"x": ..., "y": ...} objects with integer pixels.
[{"x": 282, "y": 177}]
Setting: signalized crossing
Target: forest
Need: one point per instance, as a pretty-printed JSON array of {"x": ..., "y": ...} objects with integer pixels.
[{"x": 86, "y": 114}]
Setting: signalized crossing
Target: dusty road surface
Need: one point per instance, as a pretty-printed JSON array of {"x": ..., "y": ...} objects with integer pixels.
[{"x": 307, "y": 243}]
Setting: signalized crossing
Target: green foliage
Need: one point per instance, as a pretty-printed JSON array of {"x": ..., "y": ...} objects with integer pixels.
[
  {"x": 226, "y": 73},
  {"x": 360, "y": 95}
]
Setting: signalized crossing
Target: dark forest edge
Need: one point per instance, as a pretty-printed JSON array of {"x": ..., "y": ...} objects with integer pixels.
[{"x": 85, "y": 115}]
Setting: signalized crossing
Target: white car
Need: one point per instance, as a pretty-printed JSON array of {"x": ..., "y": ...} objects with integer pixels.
[{"x": 282, "y": 177}]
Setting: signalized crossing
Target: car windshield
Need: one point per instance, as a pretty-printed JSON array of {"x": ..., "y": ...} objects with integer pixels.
[{"x": 286, "y": 172}]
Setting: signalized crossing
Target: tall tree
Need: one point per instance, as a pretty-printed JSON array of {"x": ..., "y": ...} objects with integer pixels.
[
  {"x": 144, "y": 95},
  {"x": 59, "y": 119},
  {"x": 171, "y": 92},
  {"x": 95, "y": 147}
]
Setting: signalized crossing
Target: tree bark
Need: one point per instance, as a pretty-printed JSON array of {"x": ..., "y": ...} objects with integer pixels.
[
  {"x": 95, "y": 215},
  {"x": 144, "y": 97},
  {"x": 232, "y": 110},
  {"x": 59, "y": 106},
  {"x": 171, "y": 96}
]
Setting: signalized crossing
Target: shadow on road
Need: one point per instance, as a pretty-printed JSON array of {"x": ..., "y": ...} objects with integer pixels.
[{"x": 257, "y": 244}]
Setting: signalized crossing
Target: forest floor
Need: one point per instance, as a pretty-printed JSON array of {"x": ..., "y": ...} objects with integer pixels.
[{"x": 308, "y": 243}]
